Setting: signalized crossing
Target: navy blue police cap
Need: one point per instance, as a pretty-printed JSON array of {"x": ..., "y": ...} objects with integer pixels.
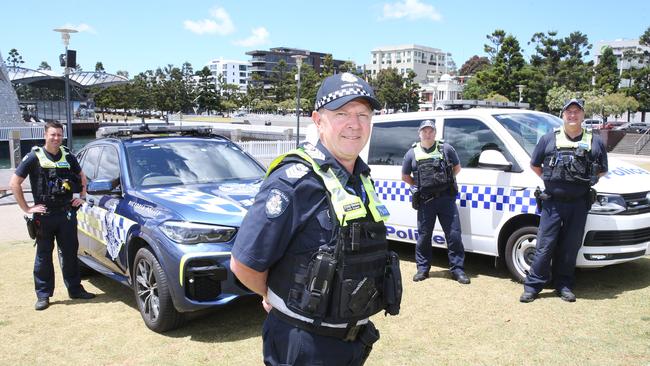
[
  {"x": 579, "y": 102},
  {"x": 339, "y": 89},
  {"x": 427, "y": 123}
]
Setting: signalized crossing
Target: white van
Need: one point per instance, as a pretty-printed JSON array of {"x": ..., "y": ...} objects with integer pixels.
[{"x": 496, "y": 185}]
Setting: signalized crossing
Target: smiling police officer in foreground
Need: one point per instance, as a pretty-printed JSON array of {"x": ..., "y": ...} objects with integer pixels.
[
  {"x": 313, "y": 244},
  {"x": 570, "y": 160},
  {"x": 430, "y": 168}
]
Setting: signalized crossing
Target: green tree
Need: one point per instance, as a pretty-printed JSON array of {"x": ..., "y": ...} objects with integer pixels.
[
  {"x": 573, "y": 71},
  {"x": 281, "y": 81},
  {"x": 207, "y": 97},
  {"x": 556, "y": 97},
  {"x": 99, "y": 67},
  {"x": 496, "y": 38},
  {"x": 606, "y": 73},
  {"x": 506, "y": 71},
  {"x": 44, "y": 66},
  {"x": 327, "y": 68},
  {"x": 122, "y": 73},
  {"x": 14, "y": 58},
  {"x": 396, "y": 92}
]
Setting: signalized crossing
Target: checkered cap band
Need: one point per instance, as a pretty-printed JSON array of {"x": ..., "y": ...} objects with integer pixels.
[{"x": 339, "y": 94}]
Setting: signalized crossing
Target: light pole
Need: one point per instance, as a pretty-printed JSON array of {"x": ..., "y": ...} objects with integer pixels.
[
  {"x": 65, "y": 36},
  {"x": 298, "y": 59},
  {"x": 521, "y": 89}
]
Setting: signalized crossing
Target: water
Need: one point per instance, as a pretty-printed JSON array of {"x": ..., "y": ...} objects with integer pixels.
[{"x": 77, "y": 143}]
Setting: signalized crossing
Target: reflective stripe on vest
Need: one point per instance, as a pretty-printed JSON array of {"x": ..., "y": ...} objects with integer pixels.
[
  {"x": 46, "y": 163},
  {"x": 346, "y": 206},
  {"x": 420, "y": 154},
  {"x": 562, "y": 142}
]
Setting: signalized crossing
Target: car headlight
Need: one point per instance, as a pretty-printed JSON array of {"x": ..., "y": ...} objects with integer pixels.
[
  {"x": 608, "y": 204},
  {"x": 184, "y": 232}
]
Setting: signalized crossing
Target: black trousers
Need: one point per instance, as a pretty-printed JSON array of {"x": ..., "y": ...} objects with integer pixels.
[{"x": 61, "y": 226}]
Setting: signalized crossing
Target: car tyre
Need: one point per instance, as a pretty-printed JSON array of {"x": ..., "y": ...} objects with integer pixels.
[
  {"x": 152, "y": 293},
  {"x": 520, "y": 250}
]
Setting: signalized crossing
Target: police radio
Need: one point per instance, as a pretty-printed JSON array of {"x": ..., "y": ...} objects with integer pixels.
[{"x": 321, "y": 275}]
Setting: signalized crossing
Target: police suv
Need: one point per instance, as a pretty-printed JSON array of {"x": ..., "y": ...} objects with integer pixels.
[
  {"x": 496, "y": 187},
  {"x": 161, "y": 214}
]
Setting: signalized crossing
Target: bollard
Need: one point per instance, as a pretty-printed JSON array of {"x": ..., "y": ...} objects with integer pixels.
[
  {"x": 15, "y": 155},
  {"x": 235, "y": 135}
]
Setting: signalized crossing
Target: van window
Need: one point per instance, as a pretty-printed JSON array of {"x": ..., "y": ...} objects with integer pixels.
[
  {"x": 470, "y": 137},
  {"x": 528, "y": 128},
  {"x": 391, "y": 140}
]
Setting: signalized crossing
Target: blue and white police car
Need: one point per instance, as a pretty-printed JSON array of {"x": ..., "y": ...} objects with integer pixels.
[
  {"x": 496, "y": 187},
  {"x": 162, "y": 210}
]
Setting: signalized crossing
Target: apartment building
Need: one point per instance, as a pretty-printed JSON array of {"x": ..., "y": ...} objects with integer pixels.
[{"x": 428, "y": 63}]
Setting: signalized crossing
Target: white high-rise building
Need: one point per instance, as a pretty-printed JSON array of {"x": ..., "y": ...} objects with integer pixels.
[
  {"x": 232, "y": 72},
  {"x": 624, "y": 50},
  {"x": 427, "y": 63}
]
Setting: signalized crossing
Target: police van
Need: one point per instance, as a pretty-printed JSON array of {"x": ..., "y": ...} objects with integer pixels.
[{"x": 496, "y": 187}]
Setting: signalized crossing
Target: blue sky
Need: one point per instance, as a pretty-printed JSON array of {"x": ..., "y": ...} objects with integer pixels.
[{"x": 137, "y": 35}]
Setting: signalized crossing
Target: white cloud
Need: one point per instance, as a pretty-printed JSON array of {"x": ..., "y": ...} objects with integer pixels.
[
  {"x": 411, "y": 10},
  {"x": 221, "y": 24},
  {"x": 83, "y": 27},
  {"x": 258, "y": 37}
]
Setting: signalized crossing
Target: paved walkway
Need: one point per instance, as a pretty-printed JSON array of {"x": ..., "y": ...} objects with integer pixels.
[{"x": 13, "y": 224}]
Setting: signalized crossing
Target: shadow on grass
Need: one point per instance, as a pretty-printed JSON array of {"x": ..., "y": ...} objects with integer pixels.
[
  {"x": 611, "y": 281},
  {"x": 591, "y": 283},
  {"x": 240, "y": 319},
  {"x": 475, "y": 264}
]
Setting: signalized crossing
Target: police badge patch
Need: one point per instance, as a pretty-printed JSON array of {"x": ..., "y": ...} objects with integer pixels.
[{"x": 276, "y": 203}]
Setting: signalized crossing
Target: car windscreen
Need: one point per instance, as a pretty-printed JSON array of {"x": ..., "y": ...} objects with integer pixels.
[
  {"x": 172, "y": 162},
  {"x": 528, "y": 128}
]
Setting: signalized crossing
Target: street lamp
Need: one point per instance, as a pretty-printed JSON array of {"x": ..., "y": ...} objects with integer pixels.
[
  {"x": 298, "y": 59},
  {"x": 521, "y": 89},
  {"x": 65, "y": 36}
]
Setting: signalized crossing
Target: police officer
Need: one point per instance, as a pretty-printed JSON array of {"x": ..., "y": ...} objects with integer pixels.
[
  {"x": 313, "y": 244},
  {"x": 54, "y": 174},
  {"x": 569, "y": 160},
  {"x": 430, "y": 168}
]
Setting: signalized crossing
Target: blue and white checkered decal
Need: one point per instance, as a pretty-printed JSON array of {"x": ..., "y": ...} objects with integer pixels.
[
  {"x": 472, "y": 196},
  {"x": 104, "y": 226},
  {"x": 201, "y": 201}
]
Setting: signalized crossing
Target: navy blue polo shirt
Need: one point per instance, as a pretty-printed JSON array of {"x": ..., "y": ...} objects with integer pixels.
[
  {"x": 546, "y": 146},
  {"x": 291, "y": 213},
  {"x": 410, "y": 165},
  {"x": 30, "y": 166}
]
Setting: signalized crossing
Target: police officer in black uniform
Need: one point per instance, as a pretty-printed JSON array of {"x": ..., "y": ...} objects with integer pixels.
[
  {"x": 313, "y": 244},
  {"x": 569, "y": 160},
  {"x": 430, "y": 168},
  {"x": 54, "y": 174}
]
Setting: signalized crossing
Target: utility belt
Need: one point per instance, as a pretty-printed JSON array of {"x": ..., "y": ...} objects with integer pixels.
[
  {"x": 366, "y": 332},
  {"x": 540, "y": 196},
  {"x": 429, "y": 194},
  {"x": 58, "y": 210},
  {"x": 425, "y": 195}
]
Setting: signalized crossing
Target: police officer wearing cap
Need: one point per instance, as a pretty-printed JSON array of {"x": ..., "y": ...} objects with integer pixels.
[
  {"x": 54, "y": 174},
  {"x": 569, "y": 160},
  {"x": 313, "y": 244},
  {"x": 430, "y": 167}
]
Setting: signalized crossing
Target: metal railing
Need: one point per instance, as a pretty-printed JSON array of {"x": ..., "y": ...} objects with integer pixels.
[
  {"x": 26, "y": 132},
  {"x": 266, "y": 151},
  {"x": 642, "y": 141}
]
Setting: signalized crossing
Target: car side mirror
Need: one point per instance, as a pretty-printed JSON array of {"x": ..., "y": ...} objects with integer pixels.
[
  {"x": 99, "y": 187},
  {"x": 493, "y": 159}
]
